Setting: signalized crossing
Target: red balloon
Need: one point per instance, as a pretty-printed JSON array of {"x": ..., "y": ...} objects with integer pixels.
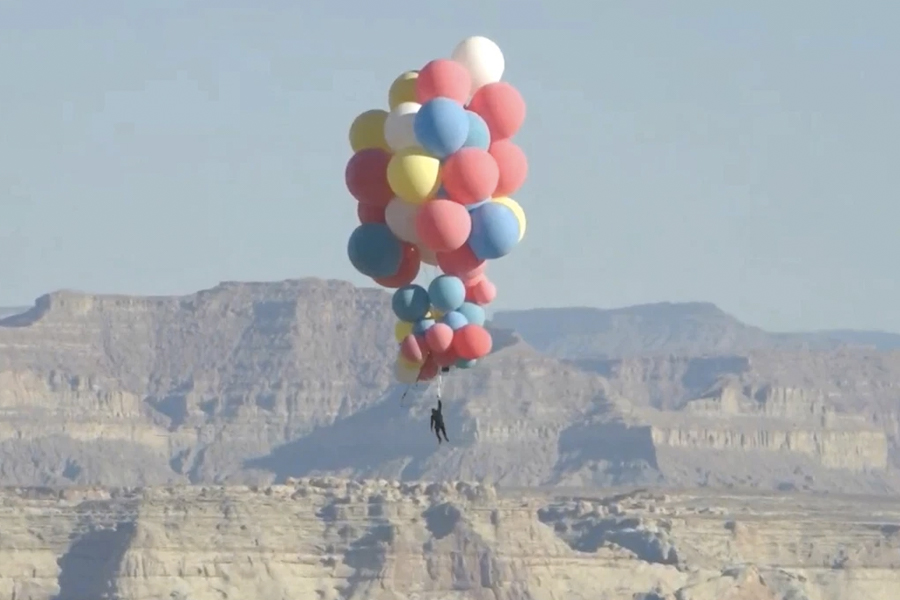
[
  {"x": 366, "y": 176},
  {"x": 413, "y": 349},
  {"x": 429, "y": 370},
  {"x": 439, "y": 337},
  {"x": 481, "y": 291},
  {"x": 472, "y": 342},
  {"x": 370, "y": 213},
  {"x": 443, "y": 225},
  {"x": 461, "y": 263},
  {"x": 502, "y": 108},
  {"x": 445, "y": 359},
  {"x": 513, "y": 166},
  {"x": 470, "y": 175},
  {"x": 445, "y": 78},
  {"x": 410, "y": 263}
]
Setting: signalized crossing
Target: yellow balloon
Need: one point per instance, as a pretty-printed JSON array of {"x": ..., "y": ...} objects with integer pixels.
[
  {"x": 401, "y": 330},
  {"x": 436, "y": 314},
  {"x": 367, "y": 130},
  {"x": 405, "y": 373},
  {"x": 414, "y": 175},
  {"x": 517, "y": 210},
  {"x": 403, "y": 89}
]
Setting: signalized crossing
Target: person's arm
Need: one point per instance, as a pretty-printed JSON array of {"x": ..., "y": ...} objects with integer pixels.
[{"x": 439, "y": 405}]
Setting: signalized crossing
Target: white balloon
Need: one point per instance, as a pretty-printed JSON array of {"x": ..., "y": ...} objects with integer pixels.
[
  {"x": 428, "y": 256},
  {"x": 482, "y": 58},
  {"x": 400, "y": 217},
  {"x": 398, "y": 127}
]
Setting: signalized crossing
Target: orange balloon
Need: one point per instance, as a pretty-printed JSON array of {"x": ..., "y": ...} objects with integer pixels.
[
  {"x": 444, "y": 78},
  {"x": 443, "y": 225},
  {"x": 413, "y": 349},
  {"x": 470, "y": 175},
  {"x": 461, "y": 263},
  {"x": 445, "y": 359},
  {"x": 512, "y": 164},
  {"x": 366, "y": 177},
  {"x": 481, "y": 291},
  {"x": 472, "y": 342},
  {"x": 502, "y": 108},
  {"x": 429, "y": 370},
  {"x": 410, "y": 263},
  {"x": 439, "y": 337}
]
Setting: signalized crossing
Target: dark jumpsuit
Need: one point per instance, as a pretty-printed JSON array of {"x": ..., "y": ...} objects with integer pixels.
[{"x": 437, "y": 423}]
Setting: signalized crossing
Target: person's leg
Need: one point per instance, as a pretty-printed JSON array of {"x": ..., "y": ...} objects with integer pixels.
[
  {"x": 437, "y": 432},
  {"x": 444, "y": 431}
]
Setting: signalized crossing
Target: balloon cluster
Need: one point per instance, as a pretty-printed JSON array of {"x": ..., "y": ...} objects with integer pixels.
[{"x": 434, "y": 179}]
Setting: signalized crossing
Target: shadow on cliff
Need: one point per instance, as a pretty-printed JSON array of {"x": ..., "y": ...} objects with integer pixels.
[
  {"x": 385, "y": 433},
  {"x": 615, "y": 452},
  {"x": 91, "y": 565}
]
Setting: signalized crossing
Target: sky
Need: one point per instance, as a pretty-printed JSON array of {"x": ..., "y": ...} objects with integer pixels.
[{"x": 733, "y": 152}]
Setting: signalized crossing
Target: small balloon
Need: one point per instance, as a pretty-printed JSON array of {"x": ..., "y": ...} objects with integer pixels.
[
  {"x": 443, "y": 225},
  {"x": 473, "y": 313},
  {"x": 479, "y": 136},
  {"x": 398, "y": 127},
  {"x": 482, "y": 58},
  {"x": 410, "y": 263},
  {"x": 466, "y": 364},
  {"x": 366, "y": 176},
  {"x": 481, "y": 292},
  {"x": 517, "y": 210},
  {"x": 512, "y": 165},
  {"x": 413, "y": 349},
  {"x": 374, "y": 251},
  {"x": 439, "y": 337},
  {"x": 401, "y": 330},
  {"x": 403, "y": 89},
  {"x": 447, "y": 292},
  {"x": 370, "y": 213},
  {"x": 461, "y": 262},
  {"x": 410, "y": 303},
  {"x": 400, "y": 217},
  {"x": 470, "y": 175},
  {"x": 454, "y": 319},
  {"x": 413, "y": 175},
  {"x": 367, "y": 130},
  {"x": 495, "y": 231},
  {"x": 472, "y": 342},
  {"x": 441, "y": 126},
  {"x": 429, "y": 370},
  {"x": 502, "y": 108},
  {"x": 422, "y": 326},
  {"x": 443, "y": 78}
]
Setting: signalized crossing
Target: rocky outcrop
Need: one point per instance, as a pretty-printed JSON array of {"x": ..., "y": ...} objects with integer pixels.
[{"x": 379, "y": 540}]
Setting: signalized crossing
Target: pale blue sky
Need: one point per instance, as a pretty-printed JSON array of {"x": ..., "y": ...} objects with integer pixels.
[{"x": 738, "y": 152}]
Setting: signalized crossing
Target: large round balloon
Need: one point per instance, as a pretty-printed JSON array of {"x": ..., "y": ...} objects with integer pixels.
[
  {"x": 398, "y": 128},
  {"x": 482, "y": 58},
  {"x": 461, "y": 262},
  {"x": 445, "y": 359},
  {"x": 443, "y": 225},
  {"x": 470, "y": 175},
  {"x": 410, "y": 263},
  {"x": 439, "y": 338},
  {"x": 517, "y": 210},
  {"x": 481, "y": 291},
  {"x": 502, "y": 108},
  {"x": 443, "y": 78},
  {"x": 495, "y": 231},
  {"x": 410, "y": 303},
  {"x": 374, "y": 250},
  {"x": 429, "y": 370},
  {"x": 472, "y": 342},
  {"x": 447, "y": 292},
  {"x": 402, "y": 329},
  {"x": 366, "y": 176},
  {"x": 413, "y": 349},
  {"x": 473, "y": 313},
  {"x": 403, "y": 89},
  {"x": 454, "y": 319},
  {"x": 441, "y": 126},
  {"x": 479, "y": 136},
  {"x": 370, "y": 213},
  {"x": 400, "y": 217},
  {"x": 367, "y": 130},
  {"x": 512, "y": 164},
  {"x": 413, "y": 175}
]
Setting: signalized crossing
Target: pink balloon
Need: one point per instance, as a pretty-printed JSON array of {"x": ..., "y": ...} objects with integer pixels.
[
  {"x": 443, "y": 225},
  {"x": 512, "y": 164},
  {"x": 445, "y": 359},
  {"x": 366, "y": 176},
  {"x": 481, "y": 291},
  {"x": 410, "y": 263},
  {"x": 445, "y": 78},
  {"x": 470, "y": 175},
  {"x": 429, "y": 370},
  {"x": 370, "y": 213},
  {"x": 472, "y": 342},
  {"x": 413, "y": 349},
  {"x": 502, "y": 108},
  {"x": 439, "y": 337},
  {"x": 461, "y": 263}
]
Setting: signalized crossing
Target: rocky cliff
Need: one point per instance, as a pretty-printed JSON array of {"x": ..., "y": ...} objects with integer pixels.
[
  {"x": 252, "y": 383},
  {"x": 335, "y": 539}
]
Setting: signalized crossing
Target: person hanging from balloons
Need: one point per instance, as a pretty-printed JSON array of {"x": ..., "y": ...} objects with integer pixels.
[{"x": 437, "y": 422}]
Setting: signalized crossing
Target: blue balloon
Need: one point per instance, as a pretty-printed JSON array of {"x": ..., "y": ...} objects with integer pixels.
[
  {"x": 466, "y": 364},
  {"x": 447, "y": 292},
  {"x": 410, "y": 303},
  {"x": 479, "y": 134},
  {"x": 422, "y": 325},
  {"x": 473, "y": 206},
  {"x": 374, "y": 250},
  {"x": 455, "y": 319},
  {"x": 495, "y": 231},
  {"x": 473, "y": 313},
  {"x": 441, "y": 126}
]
